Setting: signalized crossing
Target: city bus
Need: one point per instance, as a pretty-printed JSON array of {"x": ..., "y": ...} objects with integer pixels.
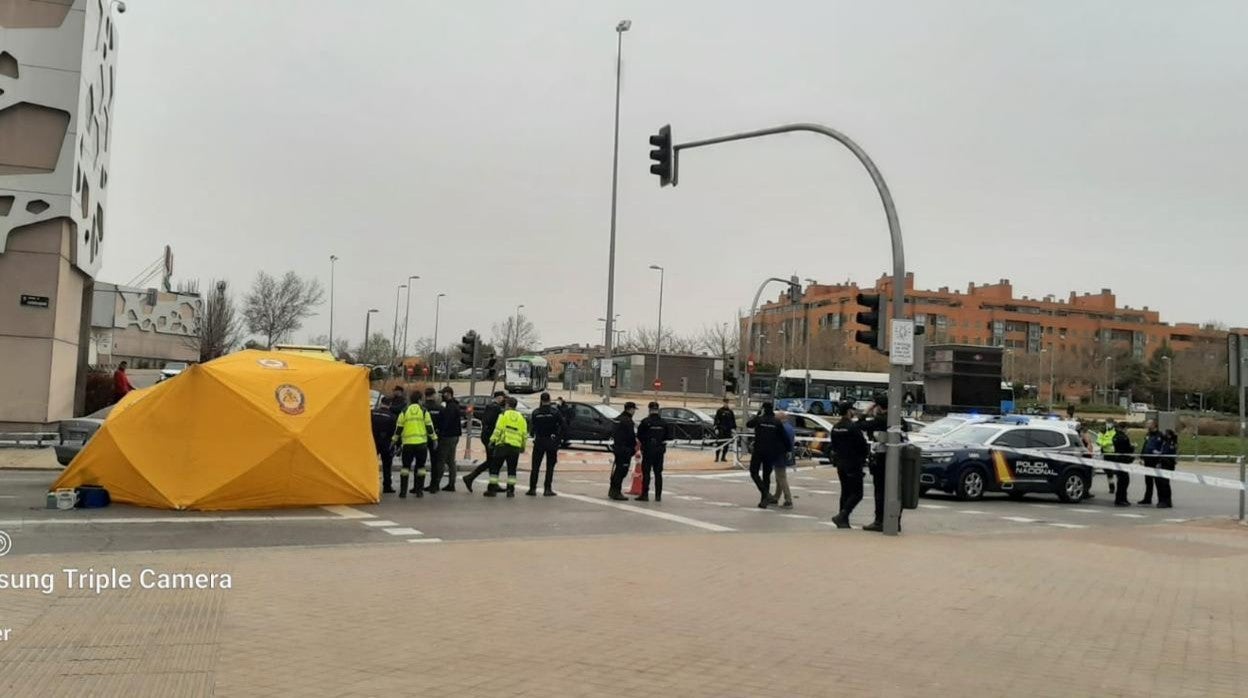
[
  {"x": 827, "y": 389},
  {"x": 526, "y": 374}
]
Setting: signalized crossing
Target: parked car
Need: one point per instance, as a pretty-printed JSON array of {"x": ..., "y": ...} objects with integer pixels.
[
  {"x": 171, "y": 369},
  {"x": 688, "y": 423},
  {"x": 75, "y": 433},
  {"x": 590, "y": 422},
  {"x": 480, "y": 402}
]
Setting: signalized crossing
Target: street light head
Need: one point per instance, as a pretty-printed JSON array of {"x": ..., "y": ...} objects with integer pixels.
[
  {"x": 121, "y": 7},
  {"x": 373, "y": 310},
  {"x": 333, "y": 258},
  {"x": 624, "y": 25},
  {"x": 440, "y": 295},
  {"x": 413, "y": 278},
  {"x": 656, "y": 267}
]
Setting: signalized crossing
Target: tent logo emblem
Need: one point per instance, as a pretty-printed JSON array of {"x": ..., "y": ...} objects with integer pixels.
[
  {"x": 271, "y": 363},
  {"x": 289, "y": 399}
]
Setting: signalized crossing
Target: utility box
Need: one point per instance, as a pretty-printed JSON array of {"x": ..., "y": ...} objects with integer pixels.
[
  {"x": 911, "y": 460},
  {"x": 963, "y": 378}
]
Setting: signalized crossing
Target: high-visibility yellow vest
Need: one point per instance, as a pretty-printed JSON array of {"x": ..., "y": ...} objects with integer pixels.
[
  {"x": 511, "y": 429},
  {"x": 1105, "y": 440},
  {"x": 415, "y": 425}
]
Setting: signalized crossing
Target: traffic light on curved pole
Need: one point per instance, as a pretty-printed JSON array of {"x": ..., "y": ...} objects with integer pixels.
[{"x": 872, "y": 318}]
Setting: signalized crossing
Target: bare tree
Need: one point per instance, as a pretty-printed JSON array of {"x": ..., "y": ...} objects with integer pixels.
[
  {"x": 514, "y": 339},
  {"x": 720, "y": 341},
  {"x": 341, "y": 348},
  {"x": 378, "y": 351},
  {"x": 644, "y": 339},
  {"x": 275, "y": 308},
  {"x": 220, "y": 329}
]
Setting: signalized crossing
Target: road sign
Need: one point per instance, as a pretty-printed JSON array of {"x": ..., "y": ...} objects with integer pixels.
[
  {"x": 658, "y": 384},
  {"x": 606, "y": 369},
  {"x": 901, "y": 348},
  {"x": 749, "y": 365}
]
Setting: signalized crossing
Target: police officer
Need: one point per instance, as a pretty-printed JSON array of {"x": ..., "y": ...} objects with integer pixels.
[
  {"x": 849, "y": 455},
  {"x": 770, "y": 446},
  {"x": 449, "y": 431},
  {"x": 398, "y": 401},
  {"x": 1105, "y": 442},
  {"x": 433, "y": 407},
  {"x": 654, "y": 432},
  {"x": 510, "y": 436},
  {"x": 1122, "y": 454},
  {"x": 623, "y": 445},
  {"x": 489, "y": 418},
  {"x": 415, "y": 429},
  {"x": 725, "y": 425},
  {"x": 384, "y": 423},
  {"x": 547, "y": 435},
  {"x": 875, "y": 426}
]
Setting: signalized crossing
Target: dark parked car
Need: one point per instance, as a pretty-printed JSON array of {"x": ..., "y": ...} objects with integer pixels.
[
  {"x": 75, "y": 433},
  {"x": 690, "y": 424},
  {"x": 589, "y": 422},
  {"x": 480, "y": 402}
]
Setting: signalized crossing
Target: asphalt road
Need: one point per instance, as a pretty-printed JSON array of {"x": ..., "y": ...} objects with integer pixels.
[{"x": 718, "y": 503}]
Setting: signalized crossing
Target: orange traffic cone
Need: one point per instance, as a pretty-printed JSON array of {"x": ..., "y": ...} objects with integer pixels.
[{"x": 635, "y": 488}]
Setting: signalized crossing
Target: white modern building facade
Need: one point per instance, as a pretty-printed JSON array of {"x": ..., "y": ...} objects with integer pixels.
[{"x": 57, "y": 81}]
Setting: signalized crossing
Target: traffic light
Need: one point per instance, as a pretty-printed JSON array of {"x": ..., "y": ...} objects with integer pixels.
[
  {"x": 662, "y": 155},
  {"x": 468, "y": 348},
  {"x": 491, "y": 366},
  {"x": 795, "y": 290},
  {"x": 872, "y": 319}
]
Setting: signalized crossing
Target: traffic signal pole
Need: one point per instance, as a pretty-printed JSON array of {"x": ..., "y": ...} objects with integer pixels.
[{"x": 896, "y": 373}]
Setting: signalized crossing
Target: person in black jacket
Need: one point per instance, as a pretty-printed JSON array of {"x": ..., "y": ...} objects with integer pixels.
[
  {"x": 725, "y": 425},
  {"x": 849, "y": 454},
  {"x": 623, "y": 445},
  {"x": 383, "y": 433},
  {"x": 433, "y": 406},
  {"x": 1169, "y": 449},
  {"x": 1153, "y": 446},
  {"x": 398, "y": 401},
  {"x": 488, "y": 419},
  {"x": 1123, "y": 450},
  {"x": 770, "y": 445},
  {"x": 449, "y": 430},
  {"x": 875, "y": 426},
  {"x": 654, "y": 432},
  {"x": 547, "y": 428}
]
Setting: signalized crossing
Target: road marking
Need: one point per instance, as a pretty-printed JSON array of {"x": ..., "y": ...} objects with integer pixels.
[
  {"x": 1132, "y": 516},
  {"x": 688, "y": 497},
  {"x": 424, "y": 540},
  {"x": 379, "y": 522},
  {"x": 403, "y": 531},
  {"x": 1087, "y": 511},
  {"x": 823, "y": 491},
  {"x": 1176, "y": 520},
  {"x": 164, "y": 520},
  {"x": 722, "y": 504},
  {"x": 1043, "y": 506},
  {"x": 797, "y": 516},
  {"x": 582, "y": 482},
  {"x": 1019, "y": 519},
  {"x": 348, "y": 512},
  {"x": 933, "y": 506},
  {"x": 971, "y": 511},
  {"x": 1066, "y": 525},
  {"x": 650, "y": 512}
]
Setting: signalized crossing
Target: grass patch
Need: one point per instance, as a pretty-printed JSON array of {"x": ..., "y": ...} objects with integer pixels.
[{"x": 1192, "y": 446}]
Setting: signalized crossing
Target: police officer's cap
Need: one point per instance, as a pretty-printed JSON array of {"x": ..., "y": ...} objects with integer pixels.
[
  {"x": 846, "y": 406},
  {"x": 630, "y": 405},
  {"x": 882, "y": 401},
  {"x": 545, "y": 397},
  {"x": 499, "y": 393},
  {"x": 653, "y": 405}
]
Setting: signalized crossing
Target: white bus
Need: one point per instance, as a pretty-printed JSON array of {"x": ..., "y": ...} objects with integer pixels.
[
  {"x": 826, "y": 389},
  {"x": 526, "y": 374}
]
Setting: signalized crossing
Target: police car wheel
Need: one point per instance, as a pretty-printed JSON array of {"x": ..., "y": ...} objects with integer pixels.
[
  {"x": 1073, "y": 488},
  {"x": 971, "y": 484}
]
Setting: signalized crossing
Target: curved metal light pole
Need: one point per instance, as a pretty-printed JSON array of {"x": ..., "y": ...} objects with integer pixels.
[
  {"x": 620, "y": 28},
  {"x": 407, "y": 312},
  {"x": 892, "y": 504}
]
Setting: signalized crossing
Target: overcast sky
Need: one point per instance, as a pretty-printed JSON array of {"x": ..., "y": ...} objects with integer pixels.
[{"x": 1066, "y": 146}]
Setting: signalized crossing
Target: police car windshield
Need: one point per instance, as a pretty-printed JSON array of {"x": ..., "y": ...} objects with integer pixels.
[
  {"x": 607, "y": 411},
  {"x": 973, "y": 434},
  {"x": 943, "y": 426}
]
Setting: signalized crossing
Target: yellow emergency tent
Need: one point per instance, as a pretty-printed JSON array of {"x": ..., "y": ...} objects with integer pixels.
[{"x": 250, "y": 430}]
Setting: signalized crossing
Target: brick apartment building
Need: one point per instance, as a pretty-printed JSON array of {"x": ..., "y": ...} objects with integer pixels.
[
  {"x": 578, "y": 354},
  {"x": 1060, "y": 340}
]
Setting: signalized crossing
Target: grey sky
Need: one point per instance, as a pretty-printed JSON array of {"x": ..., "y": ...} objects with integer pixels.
[{"x": 1066, "y": 146}]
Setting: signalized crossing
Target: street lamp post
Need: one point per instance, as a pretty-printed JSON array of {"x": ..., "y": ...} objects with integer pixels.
[
  {"x": 332, "y": 259},
  {"x": 658, "y": 338},
  {"x": 1108, "y": 362},
  {"x": 515, "y": 345},
  {"x": 620, "y": 28},
  {"x": 437, "y": 313},
  {"x": 394, "y": 337},
  {"x": 407, "y": 312},
  {"x": 1168, "y": 376},
  {"x": 367, "y": 317}
]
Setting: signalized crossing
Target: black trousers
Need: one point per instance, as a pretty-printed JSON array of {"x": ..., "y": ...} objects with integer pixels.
[
  {"x": 548, "y": 449},
  {"x": 619, "y": 471},
  {"x": 763, "y": 483},
  {"x": 721, "y": 453},
  {"x": 415, "y": 453},
  {"x": 1163, "y": 484},
  {"x": 1123, "y": 479},
  {"x": 652, "y": 463},
  {"x": 504, "y": 454},
  {"x": 877, "y": 485},
  {"x": 385, "y": 451},
  {"x": 851, "y": 478},
  {"x": 1149, "y": 480},
  {"x": 485, "y": 462}
]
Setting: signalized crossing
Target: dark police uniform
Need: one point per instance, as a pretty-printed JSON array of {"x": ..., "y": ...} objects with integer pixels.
[
  {"x": 547, "y": 424},
  {"x": 654, "y": 432},
  {"x": 849, "y": 454},
  {"x": 434, "y": 407},
  {"x": 489, "y": 419},
  {"x": 383, "y": 434},
  {"x": 872, "y": 427},
  {"x": 725, "y": 425},
  {"x": 770, "y": 446},
  {"x": 449, "y": 430},
  {"x": 623, "y": 445}
]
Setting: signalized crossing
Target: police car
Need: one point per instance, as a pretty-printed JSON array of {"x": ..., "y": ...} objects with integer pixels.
[{"x": 1015, "y": 457}]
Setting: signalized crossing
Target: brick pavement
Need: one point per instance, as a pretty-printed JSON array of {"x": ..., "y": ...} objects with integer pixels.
[{"x": 1110, "y": 612}]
